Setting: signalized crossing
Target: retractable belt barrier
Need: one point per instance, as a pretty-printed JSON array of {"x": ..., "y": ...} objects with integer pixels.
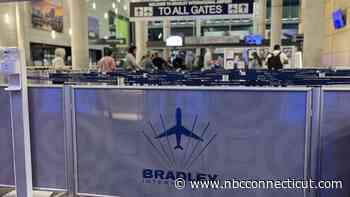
[{"x": 136, "y": 141}]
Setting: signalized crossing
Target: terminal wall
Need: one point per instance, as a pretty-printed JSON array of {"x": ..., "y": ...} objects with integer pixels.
[{"x": 9, "y": 38}]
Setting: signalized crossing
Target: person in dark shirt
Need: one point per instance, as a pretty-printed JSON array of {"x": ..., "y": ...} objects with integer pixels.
[
  {"x": 159, "y": 62},
  {"x": 179, "y": 63}
]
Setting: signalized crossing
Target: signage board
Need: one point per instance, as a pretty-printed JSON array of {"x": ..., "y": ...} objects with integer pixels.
[
  {"x": 207, "y": 40},
  {"x": 195, "y": 8},
  {"x": 122, "y": 31},
  {"x": 94, "y": 27}
]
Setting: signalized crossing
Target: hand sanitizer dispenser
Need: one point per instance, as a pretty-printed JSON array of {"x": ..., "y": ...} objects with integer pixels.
[{"x": 10, "y": 66}]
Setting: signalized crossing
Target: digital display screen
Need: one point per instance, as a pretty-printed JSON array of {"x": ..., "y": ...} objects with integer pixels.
[
  {"x": 338, "y": 19},
  {"x": 122, "y": 29},
  {"x": 254, "y": 39}
]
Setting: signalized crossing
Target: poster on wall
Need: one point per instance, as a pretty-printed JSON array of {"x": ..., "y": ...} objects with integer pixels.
[
  {"x": 94, "y": 24},
  {"x": 47, "y": 15}
]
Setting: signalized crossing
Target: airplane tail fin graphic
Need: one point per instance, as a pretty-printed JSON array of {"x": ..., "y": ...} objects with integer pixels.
[{"x": 179, "y": 147}]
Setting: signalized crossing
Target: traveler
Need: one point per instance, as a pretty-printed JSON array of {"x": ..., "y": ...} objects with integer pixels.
[
  {"x": 147, "y": 63},
  {"x": 208, "y": 59},
  {"x": 131, "y": 60},
  {"x": 277, "y": 59},
  {"x": 159, "y": 62},
  {"x": 189, "y": 60},
  {"x": 107, "y": 63},
  {"x": 58, "y": 62}
]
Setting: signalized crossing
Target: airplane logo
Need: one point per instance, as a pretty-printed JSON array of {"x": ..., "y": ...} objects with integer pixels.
[
  {"x": 191, "y": 144},
  {"x": 179, "y": 130}
]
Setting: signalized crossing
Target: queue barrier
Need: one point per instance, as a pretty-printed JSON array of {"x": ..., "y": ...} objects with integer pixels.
[
  {"x": 334, "y": 138},
  {"x": 101, "y": 141},
  {"x": 6, "y": 152},
  {"x": 48, "y": 139},
  {"x": 249, "y": 133}
]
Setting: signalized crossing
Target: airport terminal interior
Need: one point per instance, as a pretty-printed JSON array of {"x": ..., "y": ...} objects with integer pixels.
[{"x": 176, "y": 98}]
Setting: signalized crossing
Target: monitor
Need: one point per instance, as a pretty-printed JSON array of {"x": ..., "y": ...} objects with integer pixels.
[
  {"x": 339, "y": 19},
  {"x": 256, "y": 39}
]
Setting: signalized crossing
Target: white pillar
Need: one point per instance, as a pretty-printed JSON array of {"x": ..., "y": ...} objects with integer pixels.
[
  {"x": 20, "y": 114},
  {"x": 141, "y": 36},
  {"x": 314, "y": 32},
  {"x": 80, "y": 40},
  {"x": 166, "y": 35},
  {"x": 301, "y": 16},
  {"x": 276, "y": 22},
  {"x": 198, "y": 34},
  {"x": 261, "y": 18},
  {"x": 8, "y": 26}
]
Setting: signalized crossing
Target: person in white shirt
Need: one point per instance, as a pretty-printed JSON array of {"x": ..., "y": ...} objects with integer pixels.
[
  {"x": 208, "y": 58},
  {"x": 277, "y": 59},
  {"x": 189, "y": 60},
  {"x": 58, "y": 61},
  {"x": 131, "y": 60}
]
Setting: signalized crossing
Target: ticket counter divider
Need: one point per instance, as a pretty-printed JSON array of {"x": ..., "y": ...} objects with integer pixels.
[{"x": 71, "y": 124}]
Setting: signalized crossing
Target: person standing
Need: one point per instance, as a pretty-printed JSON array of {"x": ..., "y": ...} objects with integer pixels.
[
  {"x": 147, "y": 63},
  {"x": 208, "y": 59},
  {"x": 189, "y": 60},
  {"x": 159, "y": 62},
  {"x": 277, "y": 59},
  {"x": 58, "y": 62},
  {"x": 131, "y": 60},
  {"x": 107, "y": 63}
]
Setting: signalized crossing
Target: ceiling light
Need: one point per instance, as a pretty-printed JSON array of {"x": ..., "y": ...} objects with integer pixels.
[{"x": 53, "y": 34}]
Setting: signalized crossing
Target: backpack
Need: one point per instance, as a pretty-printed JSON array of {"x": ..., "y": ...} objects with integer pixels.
[{"x": 274, "y": 62}]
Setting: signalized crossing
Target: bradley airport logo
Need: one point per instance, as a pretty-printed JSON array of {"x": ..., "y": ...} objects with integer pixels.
[{"x": 178, "y": 149}]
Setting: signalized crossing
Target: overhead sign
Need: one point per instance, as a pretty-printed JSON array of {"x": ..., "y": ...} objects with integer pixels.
[
  {"x": 208, "y": 40},
  {"x": 174, "y": 41},
  {"x": 194, "y": 8}
]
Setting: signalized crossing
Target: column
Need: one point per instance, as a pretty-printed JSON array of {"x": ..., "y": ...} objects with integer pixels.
[
  {"x": 276, "y": 22},
  {"x": 314, "y": 32},
  {"x": 301, "y": 16},
  {"x": 166, "y": 35},
  {"x": 261, "y": 18},
  {"x": 8, "y": 36},
  {"x": 198, "y": 34},
  {"x": 141, "y": 37},
  {"x": 80, "y": 41},
  {"x": 20, "y": 115}
]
